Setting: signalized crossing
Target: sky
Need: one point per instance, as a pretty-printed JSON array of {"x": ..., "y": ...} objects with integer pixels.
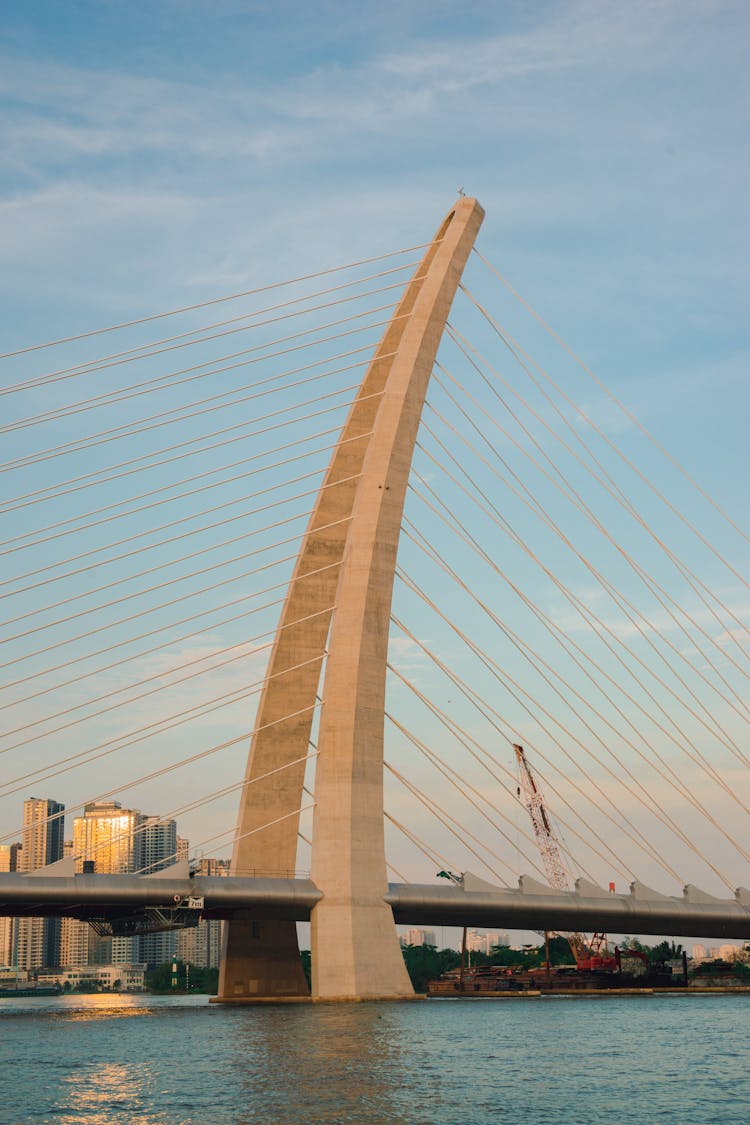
[{"x": 158, "y": 155}]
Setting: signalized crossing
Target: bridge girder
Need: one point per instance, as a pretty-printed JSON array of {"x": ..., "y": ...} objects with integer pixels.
[{"x": 530, "y": 906}]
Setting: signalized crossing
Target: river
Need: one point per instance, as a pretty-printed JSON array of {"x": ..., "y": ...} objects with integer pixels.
[{"x": 150, "y": 1060}]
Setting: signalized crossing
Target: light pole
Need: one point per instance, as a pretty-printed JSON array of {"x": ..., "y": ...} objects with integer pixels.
[{"x": 459, "y": 881}]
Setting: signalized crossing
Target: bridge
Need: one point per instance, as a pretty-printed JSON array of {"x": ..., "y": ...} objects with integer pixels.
[
  {"x": 474, "y": 902},
  {"x": 645, "y": 710}
]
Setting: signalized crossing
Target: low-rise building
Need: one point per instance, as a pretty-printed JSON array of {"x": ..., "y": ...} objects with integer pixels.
[
  {"x": 107, "y": 978},
  {"x": 10, "y": 975}
]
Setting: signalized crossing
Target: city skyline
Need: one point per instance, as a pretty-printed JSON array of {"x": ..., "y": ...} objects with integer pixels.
[
  {"x": 105, "y": 839},
  {"x": 125, "y": 838}
]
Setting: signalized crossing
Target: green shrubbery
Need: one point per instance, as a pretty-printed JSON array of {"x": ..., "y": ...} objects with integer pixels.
[{"x": 189, "y": 978}]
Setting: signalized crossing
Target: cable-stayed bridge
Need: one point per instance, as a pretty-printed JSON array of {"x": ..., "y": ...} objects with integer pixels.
[{"x": 213, "y": 560}]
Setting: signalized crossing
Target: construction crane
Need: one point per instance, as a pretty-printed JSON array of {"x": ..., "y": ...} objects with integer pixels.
[{"x": 589, "y": 954}]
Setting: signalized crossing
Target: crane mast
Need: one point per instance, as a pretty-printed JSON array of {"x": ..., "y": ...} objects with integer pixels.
[{"x": 587, "y": 954}]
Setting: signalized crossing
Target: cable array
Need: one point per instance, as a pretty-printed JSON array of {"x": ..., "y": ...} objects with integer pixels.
[
  {"x": 554, "y": 588},
  {"x": 155, "y": 494},
  {"x": 549, "y": 592}
]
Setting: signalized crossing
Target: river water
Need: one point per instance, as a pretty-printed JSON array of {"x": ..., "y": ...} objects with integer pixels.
[{"x": 172, "y": 1061}]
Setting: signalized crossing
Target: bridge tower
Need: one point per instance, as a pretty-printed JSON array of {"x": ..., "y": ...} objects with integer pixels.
[{"x": 338, "y": 602}]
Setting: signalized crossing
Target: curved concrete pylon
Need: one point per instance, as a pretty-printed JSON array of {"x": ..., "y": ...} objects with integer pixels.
[
  {"x": 261, "y": 958},
  {"x": 355, "y": 949}
]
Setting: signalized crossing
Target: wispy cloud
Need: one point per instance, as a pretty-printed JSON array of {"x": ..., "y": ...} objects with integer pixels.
[{"x": 114, "y": 161}]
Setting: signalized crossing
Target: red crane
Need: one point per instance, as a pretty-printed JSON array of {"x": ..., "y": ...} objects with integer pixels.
[{"x": 589, "y": 954}]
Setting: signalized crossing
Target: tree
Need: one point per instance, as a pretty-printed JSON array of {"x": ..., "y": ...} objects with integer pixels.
[
  {"x": 192, "y": 978},
  {"x": 425, "y": 963},
  {"x": 189, "y": 978},
  {"x": 560, "y": 952},
  {"x": 664, "y": 951},
  {"x": 504, "y": 955},
  {"x": 204, "y": 980},
  {"x": 159, "y": 979},
  {"x": 530, "y": 957}
]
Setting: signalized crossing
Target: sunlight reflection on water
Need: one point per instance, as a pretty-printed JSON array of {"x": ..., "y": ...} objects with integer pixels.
[
  {"x": 94, "y": 1006},
  {"x": 100, "y": 1093}
]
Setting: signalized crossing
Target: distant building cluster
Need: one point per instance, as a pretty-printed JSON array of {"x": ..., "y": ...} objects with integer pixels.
[
  {"x": 109, "y": 840},
  {"x": 417, "y": 936},
  {"x": 476, "y": 940},
  {"x": 727, "y": 952}
]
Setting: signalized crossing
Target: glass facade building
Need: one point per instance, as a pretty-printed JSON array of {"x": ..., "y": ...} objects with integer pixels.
[
  {"x": 106, "y": 836},
  {"x": 37, "y": 940}
]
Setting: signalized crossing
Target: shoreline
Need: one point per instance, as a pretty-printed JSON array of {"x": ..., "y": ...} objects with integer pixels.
[{"x": 535, "y": 993}]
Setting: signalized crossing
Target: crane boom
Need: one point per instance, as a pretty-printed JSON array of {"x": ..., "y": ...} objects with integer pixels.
[
  {"x": 587, "y": 954},
  {"x": 545, "y": 837}
]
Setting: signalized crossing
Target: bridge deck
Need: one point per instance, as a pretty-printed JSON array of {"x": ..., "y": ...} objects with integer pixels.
[{"x": 530, "y": 906}]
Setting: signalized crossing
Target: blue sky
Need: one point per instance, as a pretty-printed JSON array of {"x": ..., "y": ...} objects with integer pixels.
[
  {"x": 154, "y": 154},
  {"x": 157, "y": 155}
]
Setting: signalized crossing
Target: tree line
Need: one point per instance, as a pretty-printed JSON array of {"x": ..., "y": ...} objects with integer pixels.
[
  {"x": 188, "y": 978},
  {"x": 423, "y": 963}
]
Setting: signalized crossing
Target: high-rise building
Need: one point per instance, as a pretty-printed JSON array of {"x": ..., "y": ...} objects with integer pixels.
[
  {"x": 156, "y": 849},
  {"x": 74, "y": 934},
  {"x": 38, "y": 939},
  {"x": 106, "y": 835},
  {"x": 417, "y": 936},
  {"x": 8, "y": 859},
  {"x": 477, "y": 942},
  {"x": 75, "y": 938},
  {"x": 157, "y": 844},
  {"x": 215, "y": 868},
  {"x": 42, "y": 837},
  {"x": 201, "y": 944},
  {"x": 495, "y": 938}
]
